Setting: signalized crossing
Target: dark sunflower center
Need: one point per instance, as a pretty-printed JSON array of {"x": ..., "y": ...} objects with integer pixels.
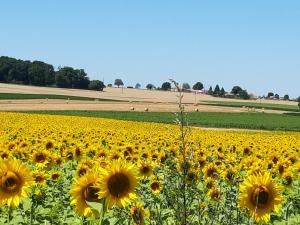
[
  {"x": 82, "y": 171},
  {"x": 10, "y": 182},
  {"x": 40, "y": 158},
  {"x": 155, "y": 186},
  {"x": 39, "y": 178},
  {"x": 260, "y": 196},
  {"x": 145, "y": 169},
  {"x": 49, "y": 145},
  {"x": 211, "y": 172},
  {"x": 78, "y": 152},
  {"x": 55, "y": 176},
  {"x": 91, "y": 194},
  {"x": 118, "y": 185}
]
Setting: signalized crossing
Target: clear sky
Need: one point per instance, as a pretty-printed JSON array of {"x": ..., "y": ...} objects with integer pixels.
[{"x": 253, "y": 43}]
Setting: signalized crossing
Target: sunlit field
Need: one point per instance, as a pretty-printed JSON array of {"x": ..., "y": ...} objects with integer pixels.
[{"x": 58, "y": 169}]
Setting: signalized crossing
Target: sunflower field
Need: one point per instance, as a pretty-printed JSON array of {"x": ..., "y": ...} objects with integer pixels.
[{"x": 76, "y": 170}]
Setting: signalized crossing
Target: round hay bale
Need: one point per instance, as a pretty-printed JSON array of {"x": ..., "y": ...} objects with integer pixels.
[
  {"x": 132, "y": 108},
  {"x": 146, "y": 109}
]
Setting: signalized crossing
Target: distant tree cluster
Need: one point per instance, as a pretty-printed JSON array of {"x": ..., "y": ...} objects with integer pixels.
[
  {"x": 216, "y": 91},
  {"x": 237, "y": 91},
  {"x": 42, "y": 74}
]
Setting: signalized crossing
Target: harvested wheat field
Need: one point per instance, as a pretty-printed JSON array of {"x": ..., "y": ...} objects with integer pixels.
[{"x": 132, "y": 99}]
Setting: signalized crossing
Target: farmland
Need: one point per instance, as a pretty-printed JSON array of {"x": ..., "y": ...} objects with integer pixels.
[{"x": 82, "y": 170}]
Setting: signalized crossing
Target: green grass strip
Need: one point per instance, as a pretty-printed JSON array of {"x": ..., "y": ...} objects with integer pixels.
[
  {"x": 281, "y": 107},
  {"x": 261, "y": 121}
]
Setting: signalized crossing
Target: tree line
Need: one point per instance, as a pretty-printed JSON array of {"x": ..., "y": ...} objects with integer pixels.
[{"x": 39, "y": 73}]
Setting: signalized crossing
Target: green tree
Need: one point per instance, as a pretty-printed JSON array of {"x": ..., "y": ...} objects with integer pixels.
[
  {"x": 166, "y": 86},
  {"x": 40, "y": 73},
  {"x": 96, "y": 85},
  {"x": 236, "y": 90},
  {"x": 210, "y": 91},
  {"x": 270, "y": 94},
  {"x": 217, "y": 90},
  {"x": 150, "y": 86},
  {"x": 68, "y": 77},
  {"x": 119, "y": 82},
  {"x": 186, "y": 86},
  {"x": 276, "y": 96},
  {"x": 244, "y": 94},
  {"x": 138, "y": 85},
  {"x": 198, "y": 86},
  {"x": 222, "y": 92},
  {"x": 286, "y": 97}
]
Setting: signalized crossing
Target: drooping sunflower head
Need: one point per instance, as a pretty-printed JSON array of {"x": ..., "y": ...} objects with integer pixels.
[
  {"x": 84, "y": 190},
  {"x": 214, "y": 194},
  {"x": 287, "y": 178},
  {"x": 139, "y": 214},
  {"x": 117, "y": 183},
  {"x": 210, "y": 170},
  {"x": 15, "y": 180},
  {"x": 260, "y": 195}
]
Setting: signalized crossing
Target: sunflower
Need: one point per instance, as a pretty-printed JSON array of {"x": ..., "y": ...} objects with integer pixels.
[
  {"x": 15, "y": 180},
  {"x": 83, "y": 190},
  {"x": 210, "y": 170},
  {"x": 145, "y": 169},
  {"x": 40, "y": 178},
  {"x": 139, "y": 213},
  {"x": 260, "y": 195},
  {"x": 214, "y": 193},
  {"x": 41, "y": 158},
  {"x": 287, "y": 178},
  {"x": 55, "y": 175},
  {"x": 117, "y": 183},
  {"x": 155, "y": 186}
]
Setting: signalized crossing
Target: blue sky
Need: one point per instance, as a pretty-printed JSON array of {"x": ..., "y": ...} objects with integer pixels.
[{"x": 254, "y": 43}]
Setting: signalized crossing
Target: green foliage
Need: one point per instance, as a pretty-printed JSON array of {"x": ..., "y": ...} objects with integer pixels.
[
  {"x": 118, "y": 82},
  {"x": 217, "y": 90},
  {"x": 243, "y": 94},
  {"x": 150, "y": 86},
  {"x": 276, "y": 96},
  {"x": 236, "y": 90},
  {"x": 198, "y": 86},
  {"x": 210, "y": 90},
  {"x": 222, "y": 92},
  {"x": 270, "y": 94},
  {"x": 186, "y": 86},
  {"x": 67, "y": 77},
  {"x": 286, "y": 97},
  {"x": 166, "y": 86},
  {"x": 41, "y": 74},
  {"x": 26, "y": 72},
  {"x": 138, "y": 85},
  {"x": 96, "y": 85},
  {"x": 254, "y": 104}
]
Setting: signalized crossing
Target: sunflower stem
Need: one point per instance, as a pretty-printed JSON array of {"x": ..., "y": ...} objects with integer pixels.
[
  {"x": 9, "y": 212},
  {"x": 287, "y": 213}
]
